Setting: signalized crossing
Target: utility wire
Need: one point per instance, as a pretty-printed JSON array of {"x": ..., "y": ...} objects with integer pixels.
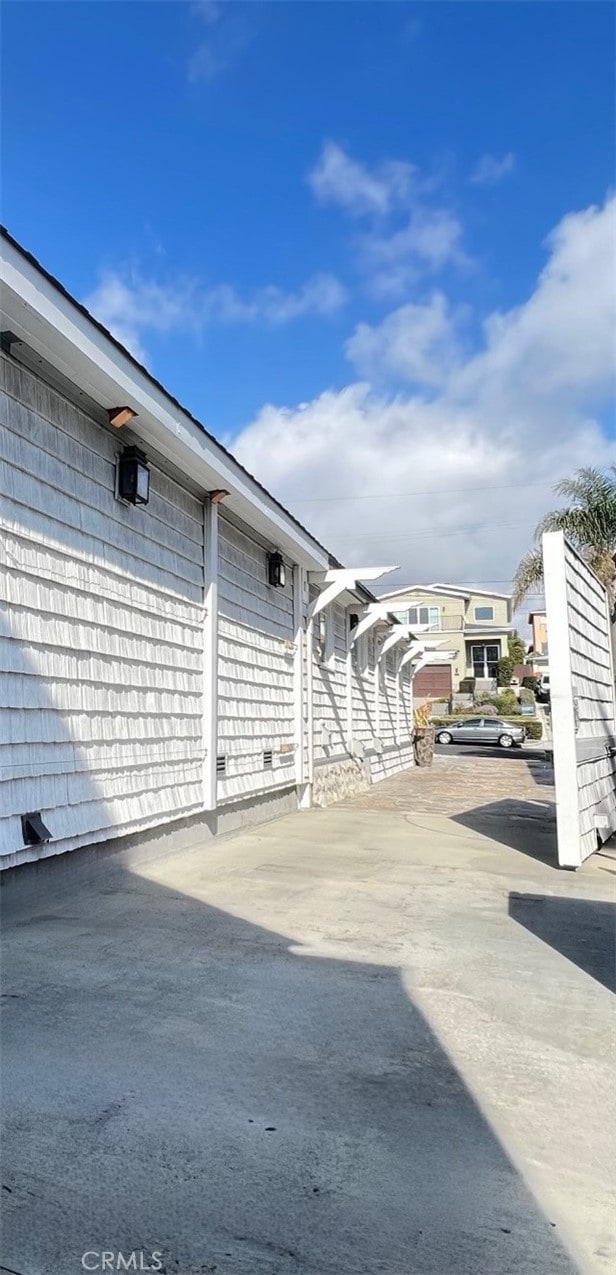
[
  {"x": 427, "y": 534},
  {"x": 392, "y": 495}
]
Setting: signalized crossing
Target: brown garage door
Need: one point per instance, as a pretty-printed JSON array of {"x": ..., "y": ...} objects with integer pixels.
[{"x": 433, "y": 680}]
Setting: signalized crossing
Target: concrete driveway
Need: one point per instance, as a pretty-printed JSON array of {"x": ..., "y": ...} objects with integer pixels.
[{"x": 369, "y": 1040}]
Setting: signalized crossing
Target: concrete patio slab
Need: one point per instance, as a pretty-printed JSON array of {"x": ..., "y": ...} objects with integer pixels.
[{"x": 375, "y": 1039}]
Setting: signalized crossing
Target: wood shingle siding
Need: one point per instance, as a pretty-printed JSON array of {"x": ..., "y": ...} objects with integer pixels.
[
  {"x": 255, "y": 669},
  {"x": 330, "y": 704},
  {"x": 101, "y": 630}
]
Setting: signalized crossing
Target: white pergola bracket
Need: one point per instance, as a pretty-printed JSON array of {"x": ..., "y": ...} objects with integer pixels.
[{"x": 418, "y": 648}]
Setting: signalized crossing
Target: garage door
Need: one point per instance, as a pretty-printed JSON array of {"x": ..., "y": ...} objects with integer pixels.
[{"x": 432, "y": 680}]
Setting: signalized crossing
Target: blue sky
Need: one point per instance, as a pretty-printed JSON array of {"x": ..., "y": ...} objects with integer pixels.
[{"x": 276, "y": 203}]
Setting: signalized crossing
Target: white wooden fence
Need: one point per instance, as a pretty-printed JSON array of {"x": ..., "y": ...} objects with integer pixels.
[{"x": 582, "y": 700}]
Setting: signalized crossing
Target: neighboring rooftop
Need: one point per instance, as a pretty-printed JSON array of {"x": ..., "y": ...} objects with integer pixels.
[{"x": 455, "y": 590}]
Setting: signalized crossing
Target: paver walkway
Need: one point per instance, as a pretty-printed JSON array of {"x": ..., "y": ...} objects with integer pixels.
[{"x": 509, "y": 783}]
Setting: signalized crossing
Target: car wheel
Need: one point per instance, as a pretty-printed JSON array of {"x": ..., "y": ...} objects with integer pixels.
[
  {"x": 505, "y": 741},
  {"x": 444, "y": 738}
]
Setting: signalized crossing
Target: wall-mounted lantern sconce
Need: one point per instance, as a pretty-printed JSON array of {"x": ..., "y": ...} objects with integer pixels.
[
  {"x": 119, "y": 416},
  {"x": 133, "y": 477},
  {"x": 353, "y": 620},
  {"x": 276, "y": 570}
]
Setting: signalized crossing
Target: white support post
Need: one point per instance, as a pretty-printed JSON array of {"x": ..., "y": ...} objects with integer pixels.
[
  {"x": 398, "y": 676},
  {"x": 306, "y": 799},
  {"x": 299, "y": 578},
  {"x": 562, "y": 701},
  {"x": 210, "y": 652},
  {"x": 377, "y": 688},
  {"x": 349, "y": 683}
]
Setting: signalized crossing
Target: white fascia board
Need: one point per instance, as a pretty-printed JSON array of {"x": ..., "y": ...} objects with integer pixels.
[{"x": 49, "y": 323}]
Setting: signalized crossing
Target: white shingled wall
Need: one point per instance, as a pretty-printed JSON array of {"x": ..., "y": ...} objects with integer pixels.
[
  {"x": 330, "y": 685},
  {"x": 363, "y": 691},
  {"x": 582, "y": 701},
  {"x": 255, "y": 669},
  {"x": 101, "y": 631},
  {"x": 101, "y": 645}
]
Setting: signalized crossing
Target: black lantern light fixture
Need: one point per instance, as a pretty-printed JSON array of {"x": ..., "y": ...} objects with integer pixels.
[
  {"x": 276, "y": 570},
  {"x": 133, "y": 477}
]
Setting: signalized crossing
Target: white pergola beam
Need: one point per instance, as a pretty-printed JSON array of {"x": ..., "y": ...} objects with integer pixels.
[
  {"x": 339, "y": 581},
  {"x": 350, "y": 574}
]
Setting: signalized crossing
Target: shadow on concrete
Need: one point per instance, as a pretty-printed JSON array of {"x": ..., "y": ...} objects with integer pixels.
[
  {"x": 526, "y": 826},
  {"x": 180, "y": 1079},
  {"x": 582, "y": 930}
]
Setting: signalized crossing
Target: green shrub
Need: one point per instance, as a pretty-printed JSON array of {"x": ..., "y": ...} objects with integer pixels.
[
  {"x": 534, "y": 728},
  {"x": 516, "y": 649},
  {"x": 505, "y": 670},
  {"x": 484, "y": 697},
  {"x": 507, "y": 702},
  {"x": 526, "y": 695},
  {"x": 530, "y": 683}
]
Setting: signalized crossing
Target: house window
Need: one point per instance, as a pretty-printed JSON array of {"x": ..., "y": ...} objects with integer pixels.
[
  {"x": 402, "y": 616},
  {"x": 485, "y": 659},
  {"x": 484, "y": 613},
  {"x": 425, "y": 615}
]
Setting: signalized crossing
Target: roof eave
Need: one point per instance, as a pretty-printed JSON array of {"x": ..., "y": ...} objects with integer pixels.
[{"x": 41, "y": 313}]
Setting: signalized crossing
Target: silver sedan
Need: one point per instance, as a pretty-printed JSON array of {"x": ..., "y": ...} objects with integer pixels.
[{"x": 482, "y": 730}]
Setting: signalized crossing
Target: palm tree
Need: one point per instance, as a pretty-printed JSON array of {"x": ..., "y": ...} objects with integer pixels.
[{"x": 589, "y": 522}]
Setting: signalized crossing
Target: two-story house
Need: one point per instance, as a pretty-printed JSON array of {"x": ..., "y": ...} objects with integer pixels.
[{"x": 475, "y": 624}]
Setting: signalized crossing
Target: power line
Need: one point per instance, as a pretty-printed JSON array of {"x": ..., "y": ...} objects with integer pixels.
[
  {"x": 392, "y": 495},
  {"x": 427, "y": 534}
]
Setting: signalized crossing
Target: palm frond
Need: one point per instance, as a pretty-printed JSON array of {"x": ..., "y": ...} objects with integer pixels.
[
  {"x": 529, "y": 573},
  {"x": 588, "y": 521}
]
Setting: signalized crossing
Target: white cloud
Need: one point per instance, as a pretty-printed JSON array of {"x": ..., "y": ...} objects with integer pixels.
[
  {"x": 130, "y": 308},
  {"x": 230, "y": 30},
  {"x": 414, "y": 343},
  {"x": 338, "y": 179},
  {"x": 428, "y": 242},
  {"x": 406, "y": 235},
  {"x": 489, "y": 170},
  {"x": 323, "y": 294},
  {"x": 513, "y": 418}
]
